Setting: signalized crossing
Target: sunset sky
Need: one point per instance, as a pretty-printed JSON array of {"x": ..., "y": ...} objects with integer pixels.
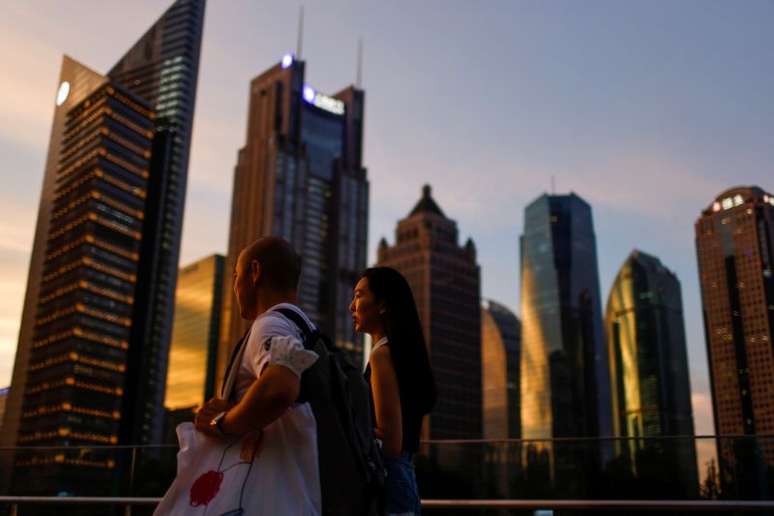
[{"x": 647, "y": 110}]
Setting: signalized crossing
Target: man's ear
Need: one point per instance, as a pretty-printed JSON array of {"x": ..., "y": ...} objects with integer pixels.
[{"x": 255, "y": 271}]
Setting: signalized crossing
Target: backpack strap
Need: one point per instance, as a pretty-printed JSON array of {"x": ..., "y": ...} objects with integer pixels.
[
  {"x": 302, "y": 325},
  {"x": 308, "y": 340},
  {"x": 234, "y": 354}
]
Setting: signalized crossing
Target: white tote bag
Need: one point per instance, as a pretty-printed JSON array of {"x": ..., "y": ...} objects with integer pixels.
[
  {"x": 214, "y": 477},
  {"x": 241, "y": 476}
]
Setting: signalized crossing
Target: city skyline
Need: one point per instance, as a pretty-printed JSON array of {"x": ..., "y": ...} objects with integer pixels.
[{"x": 674, "y": 149}]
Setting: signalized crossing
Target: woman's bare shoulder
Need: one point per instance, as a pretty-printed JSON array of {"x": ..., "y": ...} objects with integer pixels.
[{"x": 381, "y": 357}]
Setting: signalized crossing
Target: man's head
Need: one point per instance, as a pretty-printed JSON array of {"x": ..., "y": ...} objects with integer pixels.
[{"x": 266, "y": 273}]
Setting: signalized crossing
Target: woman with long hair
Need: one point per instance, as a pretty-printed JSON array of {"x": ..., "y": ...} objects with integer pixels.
[{"x": 402, "y": 383}]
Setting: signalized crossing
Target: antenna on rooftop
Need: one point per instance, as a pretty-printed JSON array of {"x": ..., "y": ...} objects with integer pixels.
[
  {"x": 300, "y": 43},
  {"x": 359, "y": 80}
]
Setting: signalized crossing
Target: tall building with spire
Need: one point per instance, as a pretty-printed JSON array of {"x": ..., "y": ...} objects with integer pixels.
[
  {"x": 300, "y": 176},
  {"x": 446, "y": 282},
  {"x": 565, "y": 386},
  {"x": 91, "y": 357},
  {"x": 735, "y": 250},
  {"x": 650, "y": 384}
]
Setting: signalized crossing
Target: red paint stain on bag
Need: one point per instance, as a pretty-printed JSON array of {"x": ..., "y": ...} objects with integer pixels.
[{"x": 205, "y": 488}]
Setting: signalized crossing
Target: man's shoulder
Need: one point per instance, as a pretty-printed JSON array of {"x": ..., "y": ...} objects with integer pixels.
[{"x": 274, "y": 323}]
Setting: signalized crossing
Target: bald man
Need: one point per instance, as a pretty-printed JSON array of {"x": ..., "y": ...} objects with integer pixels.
[{"x": 261, "y": 388}]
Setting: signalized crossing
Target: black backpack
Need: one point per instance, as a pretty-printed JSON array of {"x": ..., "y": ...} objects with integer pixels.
[{"x": 351, "y": 469}]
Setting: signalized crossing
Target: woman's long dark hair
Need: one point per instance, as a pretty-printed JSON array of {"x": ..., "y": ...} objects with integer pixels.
[{"x": 406, "y": 340}]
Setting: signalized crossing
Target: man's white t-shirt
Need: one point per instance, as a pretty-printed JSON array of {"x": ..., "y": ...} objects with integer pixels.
[{"x": 289, "y": 452}]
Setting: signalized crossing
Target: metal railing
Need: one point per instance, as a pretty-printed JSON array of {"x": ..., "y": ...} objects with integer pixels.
[
  {"x": 600, "y": 505},
  {"x": 665, "y": 473}
]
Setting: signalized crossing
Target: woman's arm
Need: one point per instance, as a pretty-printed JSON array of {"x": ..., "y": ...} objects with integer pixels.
[{"x": 386, "y": 393}]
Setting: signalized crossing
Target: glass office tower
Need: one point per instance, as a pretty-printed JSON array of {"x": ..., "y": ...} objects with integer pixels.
[
  {"x": 500, "y": 362},
  {"x": 300, "y": 176},
  {"x": 650, "y": 385},
  {"x": 564, "y": 374}
]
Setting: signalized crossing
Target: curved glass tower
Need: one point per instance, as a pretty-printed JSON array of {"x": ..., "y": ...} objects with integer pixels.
[
  {"x": 500, "y": 350},
  {"x": 564, "y": 378},
  {"x": 650, "y": 385}
]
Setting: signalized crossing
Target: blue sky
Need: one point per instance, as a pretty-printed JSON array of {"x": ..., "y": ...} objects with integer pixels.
[{"x": 647, "y": 110}]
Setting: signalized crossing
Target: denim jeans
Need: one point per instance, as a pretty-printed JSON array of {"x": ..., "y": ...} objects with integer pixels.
[{"x": 401, "y": 493}]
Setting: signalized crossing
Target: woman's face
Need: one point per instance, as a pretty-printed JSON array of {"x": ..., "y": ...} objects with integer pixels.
[{"x": 365, "y": 309}]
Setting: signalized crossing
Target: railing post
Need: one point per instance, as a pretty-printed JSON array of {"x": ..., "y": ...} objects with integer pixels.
[
  {"x": 128, "y": 508},
  {"x": 14, "y": 509},
  {"x": 131, "y": 471}
]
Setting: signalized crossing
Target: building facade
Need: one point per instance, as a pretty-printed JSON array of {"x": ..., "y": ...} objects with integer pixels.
[
  {"x": 195, "y": 334},
  {"x": 564, "y": 373},
  {"x": 734, "y": 237},
  {"x": 76, "y": 82},
  {"x": 118, "y": 159},
  {"x": 649, "y": 379},
  {"x": 162, "y": 67},
  {"x": 445, "y": 280},
  {"x": 500, "y": 362},
  {"x": 76, "y": 375},
  {"x": 300, "y": 176}
]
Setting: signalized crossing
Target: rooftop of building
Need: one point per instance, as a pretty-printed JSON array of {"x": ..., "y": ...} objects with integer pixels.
[
  {"x": 426, "y": 203},
  {"x": 738, "y": 196}
]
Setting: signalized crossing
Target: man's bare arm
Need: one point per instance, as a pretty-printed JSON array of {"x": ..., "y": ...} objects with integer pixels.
[{"x": 270, "y": 395}]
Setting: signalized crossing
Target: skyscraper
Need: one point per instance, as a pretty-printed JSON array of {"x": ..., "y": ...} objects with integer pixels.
[
  {"x": 76, "y": 374},
  {"x": 650, "y": 386},
  {"x": 300, "y": 176},
  {"x": 157, "y": 82},
  {"x": 163, "y": 68},
  {"x": 76, "y": 82},
  {"x": 500, "y": 356},
  {"x": 195, "y": 334},
  {"x": 564, "y": 373},
  {"x": 735, "y": 249},
  {"x": 445, "y": 280}
]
